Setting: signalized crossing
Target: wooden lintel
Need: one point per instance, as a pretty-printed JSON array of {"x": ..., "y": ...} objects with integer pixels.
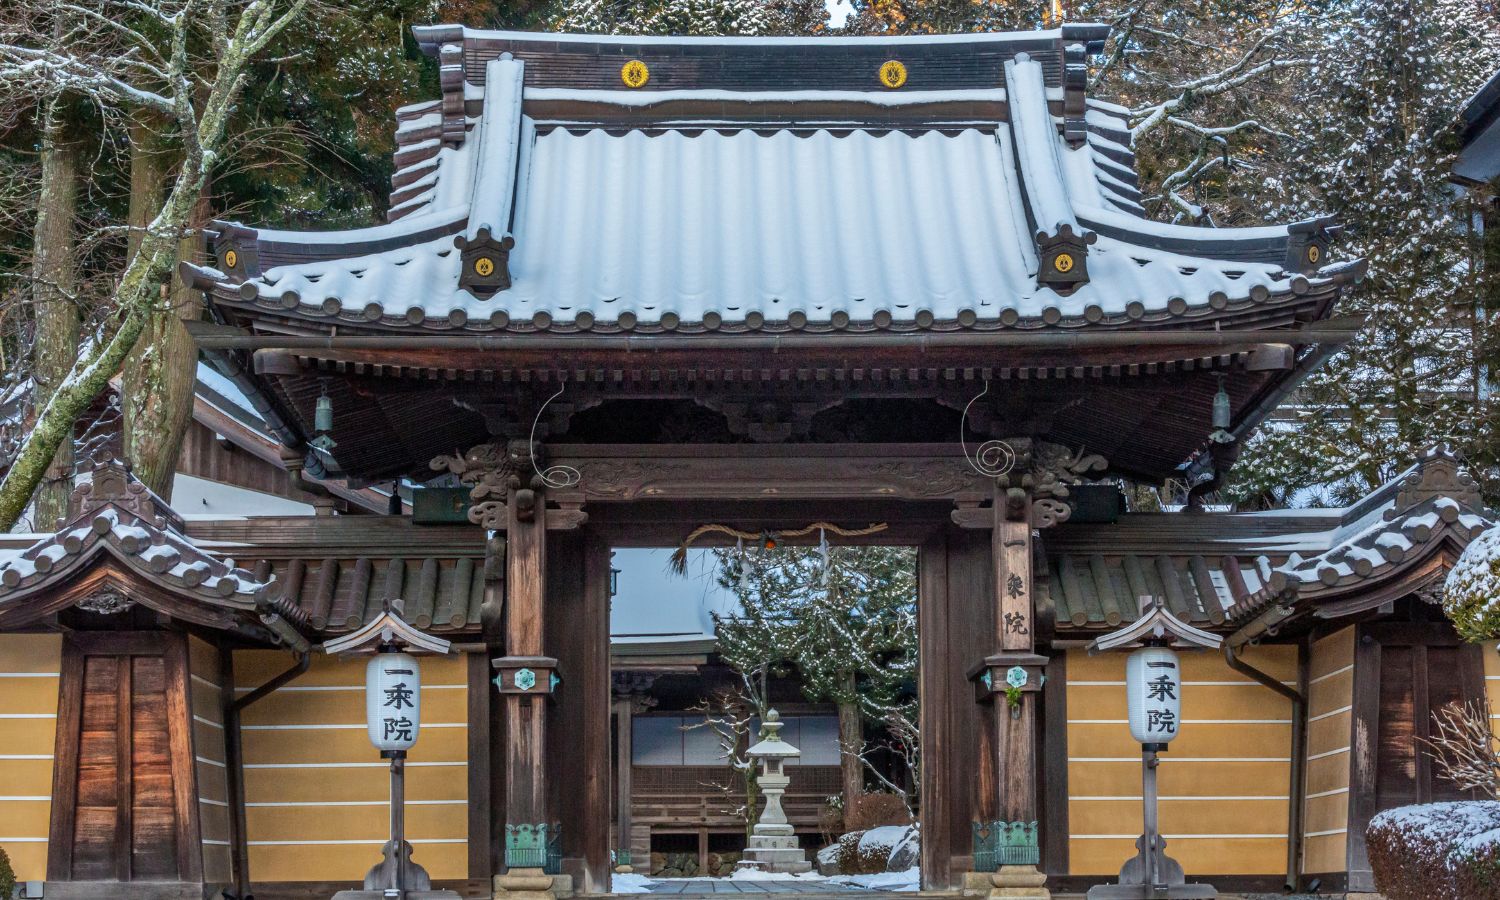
[{"x": 1271, "y": 358}]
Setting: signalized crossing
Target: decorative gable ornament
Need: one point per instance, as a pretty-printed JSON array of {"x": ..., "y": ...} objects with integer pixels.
[
  {"x": 485, "y": 261},
  {"x": 1063, "y": 257}
]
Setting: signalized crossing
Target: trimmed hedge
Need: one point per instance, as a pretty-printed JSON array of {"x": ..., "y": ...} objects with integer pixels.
[
  {"x": 7, "y": 876},
  {"x": 1437, "y": 851}
]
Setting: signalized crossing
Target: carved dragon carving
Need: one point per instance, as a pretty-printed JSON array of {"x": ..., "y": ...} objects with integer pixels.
[{"x": 1044, "y": 471}]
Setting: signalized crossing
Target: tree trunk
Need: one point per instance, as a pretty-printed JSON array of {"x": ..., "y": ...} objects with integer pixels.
[
  {"x": 161, "y": 372},
  {"x": 851, "y": 742},
  {"x": 54, "y": 282}
]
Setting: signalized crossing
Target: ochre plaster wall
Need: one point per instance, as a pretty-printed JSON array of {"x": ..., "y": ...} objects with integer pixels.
[
  {"x": 1223, "y": 783},
  {"x": 1329, "y": 716},
  {"x": 317, "y": 794},
  {"x": 29, "y": 667}
]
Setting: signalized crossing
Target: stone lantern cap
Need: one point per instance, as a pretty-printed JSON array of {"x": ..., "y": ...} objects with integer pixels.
[{"x": 771, "y": 746}]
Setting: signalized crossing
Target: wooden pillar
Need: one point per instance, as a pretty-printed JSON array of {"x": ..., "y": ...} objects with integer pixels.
[
  {"x": 525, "y": 679},
  {"x": 1016, "y": 734},
  {"x": 525, "y": 713},
  {"x": 1010, "y": 682},
  {"x": 624, "y": 736}
]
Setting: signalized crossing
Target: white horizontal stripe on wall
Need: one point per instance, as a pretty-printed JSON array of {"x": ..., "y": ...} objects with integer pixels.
[
  {"x": 212, "y": 762},
  {"x": 1178, "y": 759},
  {"x": 1137, "y": 798},
  {"x": 1072, "y": 683},
  {"x": 1185, "y": 722},
  {"x": 1342, "y": 790},
  {"x": 209, "y": 722},
  {"x": 23, "y": 840},
  {"x": 30, "y": 674},
  {"x": 1327, "y": 753},
  {"x": 18, "y": 799},
  {"x": 25, "y": 756},
  {"x": 1334, "y": 674},
  {"x": 212, "y": 802},
  {"x": 1329, "y": 832},
  {"x": 409, "y": 840},
  {"x": 216, "y": 843},
  {"x": 294, "y": 804},
  {"x": 345, "y": 727},
  {"x": 314, "y": 688},
  {"x": 28, "y": 715},
  {"x": 1177, "y": 837},
  {"x": 204, "y": 681},
  {"x": 1330, "y": 714},
  {"x": 351, "y": 765}
]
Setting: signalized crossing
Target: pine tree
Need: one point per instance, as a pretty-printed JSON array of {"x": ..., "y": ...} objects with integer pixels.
[
  {"x": 842, "y": 619},
  {"x": 693, "y": 17},
  {"x": 1375, "y": 136}
]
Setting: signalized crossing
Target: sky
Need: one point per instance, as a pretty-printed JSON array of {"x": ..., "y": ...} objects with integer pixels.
[{"x": 653, "y": 600}]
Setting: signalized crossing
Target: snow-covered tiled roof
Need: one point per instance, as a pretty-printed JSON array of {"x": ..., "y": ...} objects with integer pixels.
[
  {"x": 1432, "y": 506},
  {"x": 899, "y": 215},
  {"x": 117, "y": 518}
]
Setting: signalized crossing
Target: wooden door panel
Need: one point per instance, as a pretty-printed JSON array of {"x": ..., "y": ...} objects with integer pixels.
[
  {"x": 1445, "y": 685},
  {"x": 1396, "y": 778},
  {"x": 124, "y": 786}
]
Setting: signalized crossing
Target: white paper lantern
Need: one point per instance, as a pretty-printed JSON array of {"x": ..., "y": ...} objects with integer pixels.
[
  {"x": 1153, "y": 685},
  {"x": 393, "y": 701}
]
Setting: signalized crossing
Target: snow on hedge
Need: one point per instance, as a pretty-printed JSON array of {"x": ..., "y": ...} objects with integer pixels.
[
  {"x": 1437, "y": 851},
  {"x": 1471, "y": 595}
]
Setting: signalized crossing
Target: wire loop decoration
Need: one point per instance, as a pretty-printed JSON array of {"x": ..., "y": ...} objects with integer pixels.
[
  {"x": 766, "y": 539},
  {"x": 555, "y": 477},
  {"x": 992, "y": 458}
]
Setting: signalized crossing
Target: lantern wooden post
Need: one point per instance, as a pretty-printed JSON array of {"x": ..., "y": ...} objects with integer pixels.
[
  {"x": 393, "y": 720},
  {"x": 1153, "y": 684}
]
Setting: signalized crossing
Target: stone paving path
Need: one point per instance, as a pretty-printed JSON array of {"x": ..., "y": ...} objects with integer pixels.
[{"x": 692, "y": 887}]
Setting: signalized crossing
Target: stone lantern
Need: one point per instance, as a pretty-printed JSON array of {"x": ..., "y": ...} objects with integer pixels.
[{"x": 773, "y": 845}]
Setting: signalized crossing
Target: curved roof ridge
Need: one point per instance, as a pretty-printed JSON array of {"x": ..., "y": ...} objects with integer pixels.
[{"x": 431, "y": 36}]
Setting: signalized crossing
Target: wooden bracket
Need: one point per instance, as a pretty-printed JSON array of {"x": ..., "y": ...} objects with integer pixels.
[
  {"x": 532, "y": 675},
  {"x": 992, "y": 676}
]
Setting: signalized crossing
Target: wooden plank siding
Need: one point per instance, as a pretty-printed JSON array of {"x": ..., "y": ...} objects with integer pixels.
[
  {"x": 313, "y": 782},
  {"x": 206, "y": 703},
  {"x": 1329, "y": 726},
  {"x": 29, "y": 668},
  {"x": 1224, "y": 782}
]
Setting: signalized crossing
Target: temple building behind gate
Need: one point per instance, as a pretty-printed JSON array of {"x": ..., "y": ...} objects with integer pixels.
[{"x": 901, "y": 291}]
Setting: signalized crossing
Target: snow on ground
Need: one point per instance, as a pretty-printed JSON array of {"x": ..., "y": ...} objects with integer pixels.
[
  {"x": 630, "y": 884},
  {"x": 906, "y": 881}
]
